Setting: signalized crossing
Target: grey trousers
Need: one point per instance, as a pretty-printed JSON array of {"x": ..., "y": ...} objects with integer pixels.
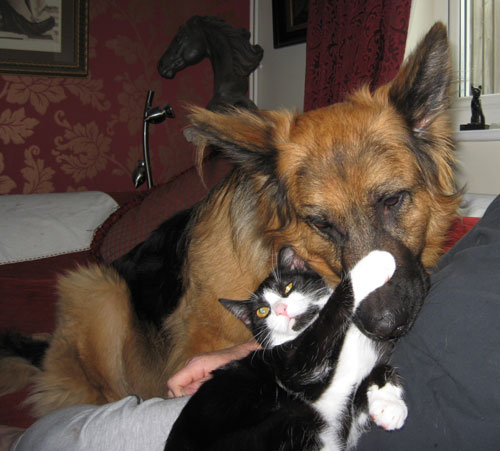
[{"x": 126, "y": 425}]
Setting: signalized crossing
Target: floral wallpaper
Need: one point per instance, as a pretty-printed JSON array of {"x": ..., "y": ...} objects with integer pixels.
[{"x": 78, "y": 134}]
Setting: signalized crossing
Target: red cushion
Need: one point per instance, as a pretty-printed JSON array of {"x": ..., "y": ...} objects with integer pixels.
[
  {"x": 459, "y": 228},
  {"x": 134, "y": 221}
]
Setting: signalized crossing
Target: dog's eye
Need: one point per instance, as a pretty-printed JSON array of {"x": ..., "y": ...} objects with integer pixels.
[
  {"x": 390, "y": 205},
  {"x": 326, "y": 227},
  {"x": 392, "y": 201},
  {"x": 319, "y": 223}
]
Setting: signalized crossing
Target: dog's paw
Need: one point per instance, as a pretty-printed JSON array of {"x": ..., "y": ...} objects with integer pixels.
[{"x": 387, "y": 407}]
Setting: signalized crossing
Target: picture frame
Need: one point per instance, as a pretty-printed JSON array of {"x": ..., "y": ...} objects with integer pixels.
[
  {"x": 289, "y": 22},
  {"x": 60, "y": 51}
]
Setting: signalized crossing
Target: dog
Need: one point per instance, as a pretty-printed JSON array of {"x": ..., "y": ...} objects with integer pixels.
[{"x": 373, "y": 172}]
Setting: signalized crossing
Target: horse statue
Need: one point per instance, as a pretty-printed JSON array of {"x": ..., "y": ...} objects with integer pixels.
[{"x": 232, "y": 56}]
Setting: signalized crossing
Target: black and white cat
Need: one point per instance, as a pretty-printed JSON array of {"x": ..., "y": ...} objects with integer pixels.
[{"x": 317, "y": 379}]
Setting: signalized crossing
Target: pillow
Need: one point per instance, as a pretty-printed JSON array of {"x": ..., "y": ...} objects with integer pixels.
[
  {"x": 475, "y": 204},
  {"x": 450, "y": 361},
  {"x": 135, "y": 220},
  {"x": 37, "y": 226}
]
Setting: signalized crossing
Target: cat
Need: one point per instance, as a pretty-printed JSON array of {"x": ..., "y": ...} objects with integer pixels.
[{"x": 317, "y": 379}]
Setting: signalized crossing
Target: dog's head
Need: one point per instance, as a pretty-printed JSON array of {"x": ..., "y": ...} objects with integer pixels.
[{"x": 373, "y": 172}]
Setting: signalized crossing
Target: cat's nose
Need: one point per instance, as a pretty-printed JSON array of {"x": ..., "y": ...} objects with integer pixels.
[{"x": 280, "y": 309}]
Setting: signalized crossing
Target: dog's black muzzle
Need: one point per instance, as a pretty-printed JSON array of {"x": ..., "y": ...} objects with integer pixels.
[{"x": 390, "y": 311}]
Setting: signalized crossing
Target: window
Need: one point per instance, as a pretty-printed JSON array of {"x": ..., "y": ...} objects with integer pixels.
[
  {"x": 478, "y": 50},
  {"x": 474, "y": 29}
]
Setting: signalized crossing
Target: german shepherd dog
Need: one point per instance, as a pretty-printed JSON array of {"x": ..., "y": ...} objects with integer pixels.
[{"x": 373, "y": 172}]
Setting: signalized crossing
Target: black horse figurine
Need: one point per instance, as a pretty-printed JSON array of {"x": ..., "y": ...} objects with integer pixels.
[{"x": 232, "y": 56}]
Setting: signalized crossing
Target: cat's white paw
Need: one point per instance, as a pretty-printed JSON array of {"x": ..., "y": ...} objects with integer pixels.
[
  {"x": 371, "y": 272},
  {"x": 387, "y": 407}
]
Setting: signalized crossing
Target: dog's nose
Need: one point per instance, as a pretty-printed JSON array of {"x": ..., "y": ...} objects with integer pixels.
[
  {"x": 389, "y": 327},
  {"x": 385, "y": 327}
]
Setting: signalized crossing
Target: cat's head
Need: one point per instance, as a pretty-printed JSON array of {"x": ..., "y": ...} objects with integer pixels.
[{"x": 285, "y": 303}]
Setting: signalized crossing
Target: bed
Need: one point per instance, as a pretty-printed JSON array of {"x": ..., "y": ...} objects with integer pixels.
[
  {"x": 43, "y": 235},
  {"x": 46, "y": 234}
]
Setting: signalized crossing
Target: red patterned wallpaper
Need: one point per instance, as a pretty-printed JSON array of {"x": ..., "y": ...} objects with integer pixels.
[{"x": 78, "y": 134}]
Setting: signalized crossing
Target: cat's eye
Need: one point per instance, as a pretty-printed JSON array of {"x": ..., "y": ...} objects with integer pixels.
[
  {"x": 288, "y": 288},
  {"x": 263, "y": 312}
]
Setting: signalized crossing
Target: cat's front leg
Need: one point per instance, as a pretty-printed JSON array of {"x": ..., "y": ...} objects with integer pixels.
[
  {"x": 386, "y": 405},
  {"x": 380, "y": 395}
]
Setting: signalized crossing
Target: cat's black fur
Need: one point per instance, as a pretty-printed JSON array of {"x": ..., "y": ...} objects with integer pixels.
[{"x": 266, "y": 400}]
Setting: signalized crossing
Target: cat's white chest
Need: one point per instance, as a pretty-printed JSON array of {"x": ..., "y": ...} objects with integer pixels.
[{"x": 356, "y": 360}]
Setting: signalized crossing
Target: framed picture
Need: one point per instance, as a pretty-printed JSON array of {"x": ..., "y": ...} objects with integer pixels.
[
  {"x": 44, "y": 37},
  {"x": 289, "y": 22}
]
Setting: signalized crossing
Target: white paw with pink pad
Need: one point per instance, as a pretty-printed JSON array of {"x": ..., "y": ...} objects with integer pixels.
[{"x": 387, "y": 407}]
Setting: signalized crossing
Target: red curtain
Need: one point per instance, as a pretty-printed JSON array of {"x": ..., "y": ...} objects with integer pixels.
[{"x": 350, "y": 43}]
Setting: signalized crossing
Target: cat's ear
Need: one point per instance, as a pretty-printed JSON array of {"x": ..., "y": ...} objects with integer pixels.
[
  {"x": 288, "y": 260},
  {"x": 240, "y": 309}
]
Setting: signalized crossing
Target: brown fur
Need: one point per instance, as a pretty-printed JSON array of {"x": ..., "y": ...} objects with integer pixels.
[
  {"x": 95, "y": 355},
  {"x": 15, "y": 373},
  {"x": 342, "y": 163}
]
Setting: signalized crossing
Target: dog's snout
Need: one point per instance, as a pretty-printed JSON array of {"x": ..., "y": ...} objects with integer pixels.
[
  {"x": 390, "y": 311},
  {"x": 388, "y": 326}
]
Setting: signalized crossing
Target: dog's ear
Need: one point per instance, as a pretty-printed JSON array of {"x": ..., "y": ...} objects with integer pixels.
[
  {"x": 252, "y": 141},
  {"x": 247, "y": 138},
  {"x": 420, "y": 90}
]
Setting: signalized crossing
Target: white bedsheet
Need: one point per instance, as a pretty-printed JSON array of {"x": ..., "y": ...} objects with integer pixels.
[
  {"x": 475, "y": 204},
  {"x": 36, "y": 226}
]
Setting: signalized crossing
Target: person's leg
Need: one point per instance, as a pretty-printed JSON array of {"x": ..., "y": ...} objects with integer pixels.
[
  {"x": 128, "y": 424},
  {"x": 8, "y": 435}
]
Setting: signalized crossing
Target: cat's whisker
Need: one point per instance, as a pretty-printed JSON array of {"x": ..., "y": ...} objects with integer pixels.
[{"x": 264, "y": 338}]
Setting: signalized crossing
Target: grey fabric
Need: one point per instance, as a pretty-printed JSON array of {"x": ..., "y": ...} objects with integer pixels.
[
  {"x": 126, "y": 425},
  {"x": 450, "y": 361}
]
